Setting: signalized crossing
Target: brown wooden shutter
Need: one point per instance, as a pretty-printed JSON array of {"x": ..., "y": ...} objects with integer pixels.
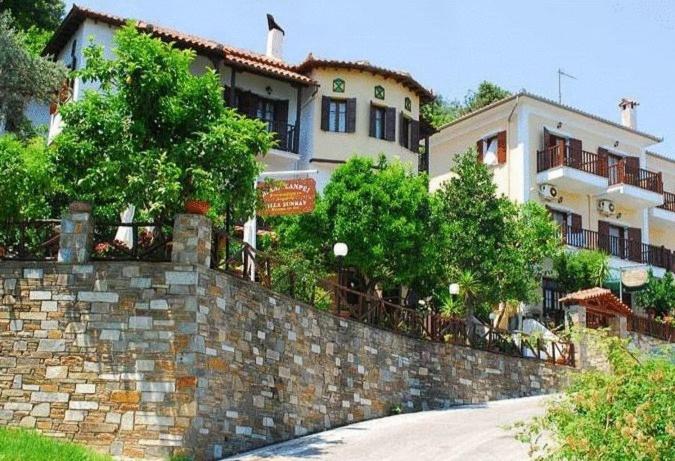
[
  {"x": 501, "y": 147},
  {"x": 603, "y": 162},
  {"x": 325, "y": 111},
  {"x": 371, "y": 130},
  {"x": 401, "y": 130},
  {"x": 479, "y": 150},
  {"x": 547, "y": 139},
  {"x": 575, "y": 153},
  {"x": 390, "y": 124},
  {"x": 603, "y": 236},
  {"x": 415, "y": 136},
  {"x": 632, "y": 165},
  {"x": 247, "y": 103},
  {"x": 281, "y": 122},
  {"x": 635, "y": 244},
  {"x": 351, "y": 115},
  {"x": 576, "y": 223}
]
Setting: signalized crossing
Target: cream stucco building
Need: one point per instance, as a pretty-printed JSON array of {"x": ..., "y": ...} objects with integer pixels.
[
  {"x": 596, "y": 176},
  {"x": 322, "y": 111}
]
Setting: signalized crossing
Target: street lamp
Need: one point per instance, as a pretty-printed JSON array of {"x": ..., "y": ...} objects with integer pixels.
[
  {"x": 340, "y": 250},
  {"x": 454, "y": 288}
]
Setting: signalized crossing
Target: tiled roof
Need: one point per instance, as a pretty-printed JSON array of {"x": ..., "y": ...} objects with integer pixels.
[
  {"x": 244, "y": 59},
  {"x": 312, "y": 62},
  {"x": 599, "y": 299},
  {"x": 527, "y": 94}
]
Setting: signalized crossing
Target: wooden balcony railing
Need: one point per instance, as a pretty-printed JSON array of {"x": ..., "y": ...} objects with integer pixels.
[
  {"x": 668, "y": 201},
  {"x": 623, "y": 248},
  {"x": 620, "y": 173},
  {"x": 651, "y": 327},
  {"x": 556, "y": 156}
]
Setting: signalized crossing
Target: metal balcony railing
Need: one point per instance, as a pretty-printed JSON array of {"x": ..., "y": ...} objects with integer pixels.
[{"x": 668, "y": 201}]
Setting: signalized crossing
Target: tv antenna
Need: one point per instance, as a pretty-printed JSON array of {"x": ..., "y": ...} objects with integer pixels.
[{"x": 562, "y": 73}]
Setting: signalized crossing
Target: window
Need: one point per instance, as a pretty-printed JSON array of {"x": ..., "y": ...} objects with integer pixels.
[
  {"x": 338, "y": 85},
  {"x": 337, "y": 116},
  {"x": 550, "y": 305},
  {"x": 490, "y": 151},
  {"x": 264, "y": 110},
  {"x": 379, "y": 92},
  {"x": 378, "y": 114},
  {"x": 408, "y": 104}
]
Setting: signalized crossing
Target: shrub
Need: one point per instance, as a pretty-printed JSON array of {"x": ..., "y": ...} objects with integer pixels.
[{"x": 658, "y": 295}]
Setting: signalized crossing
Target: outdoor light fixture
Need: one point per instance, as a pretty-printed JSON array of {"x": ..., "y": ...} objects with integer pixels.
[
  {"x": 340, "y": 250},
  {"x": 454, "y": 288},
  {"x": 616, "y": 143},
  {"x": 559, "y": 125},
  {"x": 268, "y": 89}
]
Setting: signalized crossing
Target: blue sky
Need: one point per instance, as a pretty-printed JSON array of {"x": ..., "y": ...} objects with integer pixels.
[{"x": 614, "y": 48}]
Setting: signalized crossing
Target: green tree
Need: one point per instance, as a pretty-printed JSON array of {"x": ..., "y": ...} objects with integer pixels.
[
  {"x": 156, "y": 135},
  {"x": 658, "y": 295},
  {"x": 42, "y": 14},
  {"x": 578, "y": 270},
  {"x": 440, "y": 111},
  {"x": 26, "y": 180},
  {"x": 622, "y": 415},
  {"x": 381, "y": 211},
  {"x": 501, "y": 244},
  {"x": 24, "y": 77}
]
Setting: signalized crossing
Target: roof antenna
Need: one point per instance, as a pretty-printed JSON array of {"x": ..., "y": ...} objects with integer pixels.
[{"x": 562, "y": 73}]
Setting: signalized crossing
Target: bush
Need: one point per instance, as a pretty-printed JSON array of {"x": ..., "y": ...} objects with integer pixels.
[
  {"x": 626, "y": 414},
  {"x": 579, "y": 270},
  {"x": 658, "y": 295}
]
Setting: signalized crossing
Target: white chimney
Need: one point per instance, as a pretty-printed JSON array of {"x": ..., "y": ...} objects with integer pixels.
[
  {"x": 628, "y": 113},
  {"x": 275, "y": 38}
]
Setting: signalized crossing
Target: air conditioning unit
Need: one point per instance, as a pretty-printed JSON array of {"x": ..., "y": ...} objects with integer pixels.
[
  {"x": 606, "y": 207},
  {"x": 548, "y": 192}
]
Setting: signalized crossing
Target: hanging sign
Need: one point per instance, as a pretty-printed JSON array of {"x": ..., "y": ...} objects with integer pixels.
[{"x": 287, "y": 196}]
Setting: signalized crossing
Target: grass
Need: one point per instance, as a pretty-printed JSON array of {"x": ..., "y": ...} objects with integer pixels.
[{"x": 24, "y": 445}]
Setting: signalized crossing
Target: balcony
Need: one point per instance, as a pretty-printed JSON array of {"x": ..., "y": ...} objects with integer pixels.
[
  {"x": 621, "y": 248},
  {"x": 635, "y": 186},
  {"x": 666, "y": 212},
  {"x": 285, "y": 135},
  {"x": 573, "y": 169}
]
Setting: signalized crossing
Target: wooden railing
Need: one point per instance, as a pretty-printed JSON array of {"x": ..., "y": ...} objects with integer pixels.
[
  {"x": 620, "y": 247},
  {"x": 373, "y": 310},
  {"x": 556, "y": 156},
  {"x": 668, "y": 201},
  {"x": 30, "y": 240},
  {"x": 620, "y": 173},
  {"x": 149, "y": 241},
  {"x": 651, "y": 327}
]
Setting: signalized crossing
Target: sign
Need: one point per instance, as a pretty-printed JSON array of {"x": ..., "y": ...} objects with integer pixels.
[
  {"x": 634, "y": 278},
  {"x": 287, "y": 196}
]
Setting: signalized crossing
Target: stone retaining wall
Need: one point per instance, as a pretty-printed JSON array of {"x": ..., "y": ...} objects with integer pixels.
[{"x": 147, "y": 359}]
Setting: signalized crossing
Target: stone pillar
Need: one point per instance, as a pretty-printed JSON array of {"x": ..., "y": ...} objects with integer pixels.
[
  {"x": 618, "y": 325},
  {"x": 77, "y": 230},
  {"x": 191, "y": 240}
]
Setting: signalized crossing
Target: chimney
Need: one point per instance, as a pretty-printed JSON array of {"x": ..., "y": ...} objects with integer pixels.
[
  {"x": 628, "y": 113},
  {"x": 275, "y": 38}
]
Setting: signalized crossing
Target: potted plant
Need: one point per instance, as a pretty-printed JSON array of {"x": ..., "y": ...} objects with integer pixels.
[{"x": 199, "y": 192}]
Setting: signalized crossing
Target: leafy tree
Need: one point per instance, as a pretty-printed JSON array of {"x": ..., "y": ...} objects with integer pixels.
[
  {"x": 622, "y": 415},
  {"x": 658, "y": 295},
  {"x": 41, "y": 14},
  {"x": 381, "y": 211},
  {"x": 156, "y": 135},
  {"x": 24, "y": 76},
  {"x": 440, "y": 111},
  {"x": 501, "y": 244},
  {"x": 25, "y": 182},
  {"x": 578, "y": 270}
]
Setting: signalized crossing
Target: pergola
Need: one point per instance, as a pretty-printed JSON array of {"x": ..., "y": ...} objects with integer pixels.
[{"x": 598, "y": 300}]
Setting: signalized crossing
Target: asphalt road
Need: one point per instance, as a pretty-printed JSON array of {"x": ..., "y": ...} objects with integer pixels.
[{"x": 473, "y": 432}]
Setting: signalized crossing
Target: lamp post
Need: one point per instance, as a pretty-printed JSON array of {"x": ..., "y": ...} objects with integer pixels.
[
  {"x": 340, "y": 250},
  {"x": 453, "y": 288}
]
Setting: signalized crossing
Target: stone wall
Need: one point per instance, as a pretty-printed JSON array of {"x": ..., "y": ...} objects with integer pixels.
[
  {"x": 651, "y": 345},
  {"x": 146, "y": 359}
]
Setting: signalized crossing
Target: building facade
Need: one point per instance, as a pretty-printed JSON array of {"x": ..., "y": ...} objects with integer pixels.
[
  {"x": 322, "y": 111},
  {"x": 597, "y": 177}
]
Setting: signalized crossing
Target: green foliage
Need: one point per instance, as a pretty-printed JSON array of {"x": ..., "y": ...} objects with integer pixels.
[
  {"x": 626, "y": 414},
  {"x": 658, "y": 295},
  {"x": 25, "y": 76},
  {"x": 156, "y": 135},
  {"x": 484, "y": 238},
  {"x": 440, "y": 111},
  {"x": 579, "y": 270},
  {"x": 40, "y": 14},
  {"x": 295, "y": 273},
  {"x": 26, "y": 180},
  {"x": 380, "y": 211},
  {"x": 24, "y": 445}
]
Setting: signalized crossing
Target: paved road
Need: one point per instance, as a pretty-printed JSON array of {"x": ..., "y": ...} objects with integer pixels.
[{"x": 463, "y": 433}]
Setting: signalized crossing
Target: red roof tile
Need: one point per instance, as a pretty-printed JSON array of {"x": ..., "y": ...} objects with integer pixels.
[{"x": 599, "y": 299}]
